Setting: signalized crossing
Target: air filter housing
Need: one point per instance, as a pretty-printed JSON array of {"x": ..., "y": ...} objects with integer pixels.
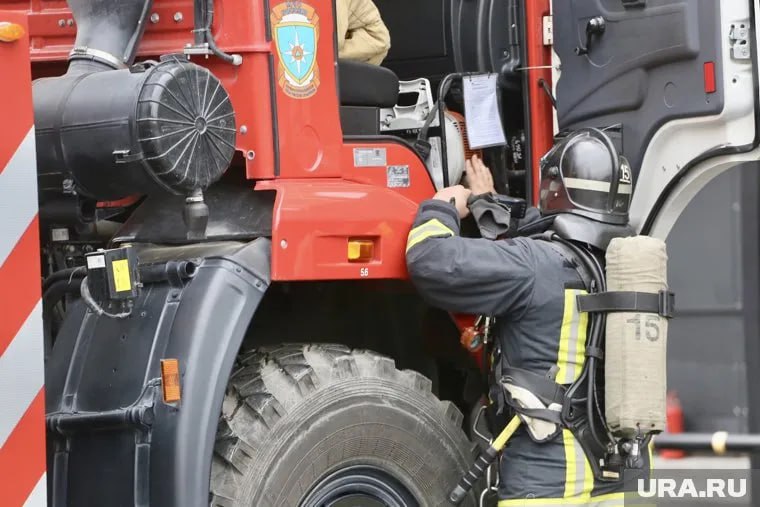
[{"x": 166, "y": 127}]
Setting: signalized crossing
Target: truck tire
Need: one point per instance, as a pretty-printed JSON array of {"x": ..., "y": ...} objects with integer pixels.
[{"x": 311, "y": 424}]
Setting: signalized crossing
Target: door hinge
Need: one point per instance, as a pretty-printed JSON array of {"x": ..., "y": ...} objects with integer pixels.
[
  {"x": 738, "y": 36},
  {"x": 548, "y": 31}
]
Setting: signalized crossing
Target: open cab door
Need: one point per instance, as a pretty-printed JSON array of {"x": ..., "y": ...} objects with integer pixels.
[{"x": 673, "y": 82}]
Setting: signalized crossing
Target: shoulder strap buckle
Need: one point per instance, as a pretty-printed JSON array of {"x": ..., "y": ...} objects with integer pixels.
[{"x": 667, "y": 304}]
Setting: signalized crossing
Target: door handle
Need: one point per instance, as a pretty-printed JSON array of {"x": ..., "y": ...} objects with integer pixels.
[{"x": 595, "y": 26}]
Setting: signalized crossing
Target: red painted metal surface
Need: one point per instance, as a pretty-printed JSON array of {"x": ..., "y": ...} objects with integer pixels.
[
  {"x": 306, "y": 133},
  {"x": 303, "y": 140},
  {"x": 17, "y": 114},
  {"x": 310, "y": 136},
  {"x": 420, "y": 185},
  {"x": 314, "y": 219},
  {"x": 297, "y": 136},
  {"x": 22, "y": 405},
  {"x": 239, "y": 27},
  {"x": 541, "y": 111}
]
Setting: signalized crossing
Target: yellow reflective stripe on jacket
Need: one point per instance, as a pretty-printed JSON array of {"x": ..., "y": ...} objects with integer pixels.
[
  {"x": 610, "y": 500},
  {"x": 579, "y": 479},
  {"x": 431, "y": 228},
  {"x": 572, "y": 340}
]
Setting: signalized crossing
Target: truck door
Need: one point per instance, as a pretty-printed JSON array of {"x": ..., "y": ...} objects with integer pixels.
[{"x": 672, "y": 81}]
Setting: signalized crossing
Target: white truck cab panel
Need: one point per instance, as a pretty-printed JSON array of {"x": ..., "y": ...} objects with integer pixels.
[{"x": 673, "y": 82}]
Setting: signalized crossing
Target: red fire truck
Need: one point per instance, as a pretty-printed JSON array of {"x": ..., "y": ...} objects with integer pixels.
[{"x": 223, "y": 206}]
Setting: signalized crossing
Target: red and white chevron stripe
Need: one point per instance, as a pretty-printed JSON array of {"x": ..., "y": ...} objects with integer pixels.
[{"x": 22, "y": 397}]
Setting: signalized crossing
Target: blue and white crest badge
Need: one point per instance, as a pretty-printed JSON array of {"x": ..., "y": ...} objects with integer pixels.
[{"x": 295, "y": 26}]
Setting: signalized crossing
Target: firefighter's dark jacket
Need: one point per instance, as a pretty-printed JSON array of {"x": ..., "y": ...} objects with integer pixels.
[
  {"x": 530, "y": 286},
  {"x": 522, "y": 282}
]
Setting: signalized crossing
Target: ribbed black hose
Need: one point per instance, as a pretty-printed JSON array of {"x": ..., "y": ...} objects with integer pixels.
[
  {"x": 597, "y": 322},
  {"x": 71, "y": 275},
  {"x": 210, "y": 38},
  {"x": 53, "y": 295},
  {"x": 199, "y": 13},
  {"x": 603, "y": 323}
]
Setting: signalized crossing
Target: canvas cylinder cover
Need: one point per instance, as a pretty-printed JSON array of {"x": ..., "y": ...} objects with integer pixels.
[{"x": 636, "y": 342}]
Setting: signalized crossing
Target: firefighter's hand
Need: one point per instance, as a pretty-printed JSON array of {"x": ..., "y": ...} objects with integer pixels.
[
  {"x": 479, "y": 178},
  {"x": 460, "y": 196}
]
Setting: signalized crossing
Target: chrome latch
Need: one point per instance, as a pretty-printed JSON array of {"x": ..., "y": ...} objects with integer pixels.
[
  {"x": 548, "y": 30},
  {"x": 739, "y": 38}
]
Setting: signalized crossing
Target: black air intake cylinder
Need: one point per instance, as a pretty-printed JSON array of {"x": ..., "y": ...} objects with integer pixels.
[
  {"x": 116, "y": 129},
  {"x": 149, "y": 128},
  {"x": 108, "y": 33}
]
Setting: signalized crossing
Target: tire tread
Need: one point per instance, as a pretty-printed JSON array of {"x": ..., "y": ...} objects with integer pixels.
[{"x": 268, "y": 382}]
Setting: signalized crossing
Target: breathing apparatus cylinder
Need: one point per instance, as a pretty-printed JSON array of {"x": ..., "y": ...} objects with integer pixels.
[{"x": 636, "y": 342}]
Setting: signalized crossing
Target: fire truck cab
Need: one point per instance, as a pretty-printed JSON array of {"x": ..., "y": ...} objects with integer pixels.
[{"x": 224, "y": 206}]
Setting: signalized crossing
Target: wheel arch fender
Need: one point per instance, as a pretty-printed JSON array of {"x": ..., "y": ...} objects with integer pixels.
[
  {"x": 110, "y": 433},
  {"x": 206, "y": 336}
]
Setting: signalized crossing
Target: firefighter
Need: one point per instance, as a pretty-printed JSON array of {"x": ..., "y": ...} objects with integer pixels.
[
  {"x": 362, "y": 34},
  {"x": 528, "y": 286}
]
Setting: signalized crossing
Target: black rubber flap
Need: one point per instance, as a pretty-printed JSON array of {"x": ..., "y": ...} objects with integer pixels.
[{"x": 186, "y": 126}]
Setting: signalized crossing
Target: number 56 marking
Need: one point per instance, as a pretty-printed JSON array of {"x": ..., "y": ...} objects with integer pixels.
[{"x": 364, "y": 272}]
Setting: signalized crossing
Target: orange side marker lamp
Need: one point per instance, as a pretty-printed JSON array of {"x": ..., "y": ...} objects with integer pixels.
[
  {"x": 360, "y": 250},
  {"x": 170, "y": 383},
  {"x": 10, "y": 32}
]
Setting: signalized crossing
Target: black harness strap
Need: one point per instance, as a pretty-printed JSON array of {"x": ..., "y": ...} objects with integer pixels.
[
  {"x": 544, "y": 414},
  {"x": 662, "y": 303},
  {"x": 581, "y": 412},
  {"x": 541, "y": 386},
  {"x": 544, "y": 388},
  {"x": 595, "y": 352}
]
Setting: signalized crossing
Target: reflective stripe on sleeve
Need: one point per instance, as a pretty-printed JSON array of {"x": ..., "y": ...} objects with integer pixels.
[{"x": 431, "y": 228}]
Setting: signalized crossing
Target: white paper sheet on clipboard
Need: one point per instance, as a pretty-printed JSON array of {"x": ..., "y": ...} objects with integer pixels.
[{"x": 481, "y": 111}]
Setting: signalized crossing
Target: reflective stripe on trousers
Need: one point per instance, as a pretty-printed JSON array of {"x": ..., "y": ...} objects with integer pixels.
[
  {"x": 611, "y": 500},
  {"x": 576, "y": 485}
]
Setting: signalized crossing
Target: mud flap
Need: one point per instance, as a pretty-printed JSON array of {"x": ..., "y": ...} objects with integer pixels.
[{"x": 111, "y": 438}]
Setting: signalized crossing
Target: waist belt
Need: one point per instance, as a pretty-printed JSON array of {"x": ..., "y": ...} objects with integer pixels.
[
  {"x": 544, "y": 424},
  {"x": 542, "y": 387},
  {"x": 537, "y": 400}
]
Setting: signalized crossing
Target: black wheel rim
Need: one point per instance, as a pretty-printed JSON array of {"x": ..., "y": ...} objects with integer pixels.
[{"x": 359, "y": 486}]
